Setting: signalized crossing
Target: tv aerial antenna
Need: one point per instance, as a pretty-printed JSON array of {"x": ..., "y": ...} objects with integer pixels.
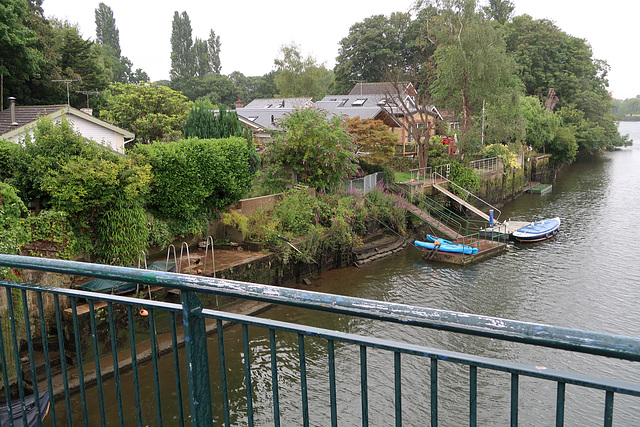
[
  {"x": 67, "y": 81},
  {"x": 87, "y": 93}
]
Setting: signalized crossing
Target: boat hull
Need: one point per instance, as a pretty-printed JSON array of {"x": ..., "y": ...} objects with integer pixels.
[
  {"x": 537, "y": 231},
  {"x": 446, "y": 247}
]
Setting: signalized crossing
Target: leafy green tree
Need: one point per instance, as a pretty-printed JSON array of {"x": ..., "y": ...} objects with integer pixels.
[
  {"x": 254, "y": 87},
  {"x": 203, "y": 123},
  {"x": 151, "y": 111},
  {"x": 108, "y": 36},
  {"x": 373, "y": 138},
  {"x": 182, "y": 61},
  {"x": 377, "y": 47},
  {"x": 20, "y": 58},
  {"x": 194, "y": 175},
  {"x": 499, "y": 10},
  {"x": 300, "y": 77},
  {"x": 542, "y": 124},
  {"x": 472, "y": 65},
  {"x": 314, "y": 146},
  {"x": 549, "y": 58}
]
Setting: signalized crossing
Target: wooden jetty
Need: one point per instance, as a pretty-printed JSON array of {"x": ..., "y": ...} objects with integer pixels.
[
  {"x": 486, "y": 249},
  {"x": 541, "y": 188}
]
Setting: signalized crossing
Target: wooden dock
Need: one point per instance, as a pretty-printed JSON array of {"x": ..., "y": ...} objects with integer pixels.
[
  {"x": 541, "y": 189},
  {"x": 486, "y": 249}
]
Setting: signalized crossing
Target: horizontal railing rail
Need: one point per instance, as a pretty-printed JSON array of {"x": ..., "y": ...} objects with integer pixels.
[{"x": 194, "y": 317}]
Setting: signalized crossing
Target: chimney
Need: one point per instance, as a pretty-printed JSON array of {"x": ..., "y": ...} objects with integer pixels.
[
  {"x": 12, "y": 108},
  {"x": 239, "y": 103}
]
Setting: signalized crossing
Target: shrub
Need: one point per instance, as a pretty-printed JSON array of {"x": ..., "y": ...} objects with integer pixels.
[
  {"x": 192, "y": 176},
  {"x": 464, "y": 177}
]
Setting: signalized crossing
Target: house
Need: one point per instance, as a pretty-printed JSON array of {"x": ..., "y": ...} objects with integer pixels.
[
  {"x": 17, "y": 121},
  {"x": 389, "y": 102},
  {"x": 261, "y": 115}
]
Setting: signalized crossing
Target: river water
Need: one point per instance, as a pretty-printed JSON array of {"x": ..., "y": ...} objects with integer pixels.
[{"x": 587, "y": 277}]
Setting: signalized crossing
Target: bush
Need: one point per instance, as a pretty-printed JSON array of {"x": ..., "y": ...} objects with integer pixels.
[
  {"x": 464, "y": 177},
  {"x": 193, "y": 176},
  {"x": 388, "y": 208}
]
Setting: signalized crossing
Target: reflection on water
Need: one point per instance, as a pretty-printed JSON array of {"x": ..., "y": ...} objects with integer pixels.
[{"x": 587, "y": 277}]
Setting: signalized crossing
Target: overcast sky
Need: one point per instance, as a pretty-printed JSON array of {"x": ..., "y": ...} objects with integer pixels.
[{"x": 252, "y": 32}]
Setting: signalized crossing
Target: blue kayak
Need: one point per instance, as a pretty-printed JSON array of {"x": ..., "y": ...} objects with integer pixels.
[
  {"x": 537, "y": 231},
  {"x": 445, "y": 246}
]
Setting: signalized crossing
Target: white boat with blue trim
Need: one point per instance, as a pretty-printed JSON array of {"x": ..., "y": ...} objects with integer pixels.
[{"x": 537, "y": 231}]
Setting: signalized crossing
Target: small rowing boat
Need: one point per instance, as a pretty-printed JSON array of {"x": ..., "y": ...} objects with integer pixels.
[{"x": 537, "y": 231}]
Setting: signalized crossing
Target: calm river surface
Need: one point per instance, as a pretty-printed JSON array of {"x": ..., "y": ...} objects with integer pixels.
[{"x": 587, "y": 277}]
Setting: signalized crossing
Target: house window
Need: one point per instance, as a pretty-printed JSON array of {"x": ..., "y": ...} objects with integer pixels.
[{"x": 359, "y": 102}]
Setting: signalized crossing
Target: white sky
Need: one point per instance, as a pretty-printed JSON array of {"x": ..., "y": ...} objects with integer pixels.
[{"x": 252, "y": 32}]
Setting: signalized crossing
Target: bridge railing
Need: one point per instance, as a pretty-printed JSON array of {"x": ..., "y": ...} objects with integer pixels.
[{"x": 25, "y": 303}]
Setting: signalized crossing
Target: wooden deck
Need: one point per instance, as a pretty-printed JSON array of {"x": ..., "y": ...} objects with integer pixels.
[{"x": 486, "y": 249}]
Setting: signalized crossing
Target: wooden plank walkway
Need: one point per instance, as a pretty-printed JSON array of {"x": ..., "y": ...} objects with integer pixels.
[
  {"x": 445, "y": 229},
  {"x": 462, "y": 202}
]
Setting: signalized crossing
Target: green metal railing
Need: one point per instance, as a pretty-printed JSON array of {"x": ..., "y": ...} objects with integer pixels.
[{"x": 195, "y": 319}]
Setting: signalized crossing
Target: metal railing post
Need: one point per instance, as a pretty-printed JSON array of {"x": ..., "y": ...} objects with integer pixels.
[{"x": 195, "y": 339}]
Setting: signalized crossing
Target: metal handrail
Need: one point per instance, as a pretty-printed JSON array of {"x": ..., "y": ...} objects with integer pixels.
[
  {"x": 194, "y": 316},
  {"x": 469, "y": 194}
]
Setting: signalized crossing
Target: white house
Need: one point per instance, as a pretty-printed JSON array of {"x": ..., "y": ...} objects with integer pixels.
[{"x": 17, "y": 121}]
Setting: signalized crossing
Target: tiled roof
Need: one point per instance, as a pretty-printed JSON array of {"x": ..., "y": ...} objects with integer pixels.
[{"x": 25, "y": 115}]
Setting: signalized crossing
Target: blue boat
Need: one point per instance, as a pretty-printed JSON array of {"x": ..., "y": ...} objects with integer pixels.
[
  {"x": 537, "y": 231},
  {"x": 442, "y": 245}
]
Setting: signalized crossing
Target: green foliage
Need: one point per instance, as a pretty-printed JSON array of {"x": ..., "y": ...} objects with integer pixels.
[
  {"x": 182, "y": 60},
  {"x": 52, "y": 146},
  {"x": 151, "y": 111},
  {"x": 464, "y": 177},
  {"x": 51, "y": 229},
  {"x": 509, "y": 159},
  {"x": 316, "y": 147},
  {"x": 472, "y": 64},
  {"x": 8, "y": 158},
  {"x": 12, "y": 233},
  {"x": 159, "y": 232},
  {"x": 121, "y": 233},
  {"x": 298, "y": 77},
  {"x": 388, "y": 208},
  {"x": 374, "y": 138},
  {"x": 193, "y": 176},
  {"x": 389, "y": 174},
  {"x": 296, "y": 212},
  {"x": 90, "y": 185},
  {"x": 235, "y": 219},
  {"x": 378, "y": 45}
]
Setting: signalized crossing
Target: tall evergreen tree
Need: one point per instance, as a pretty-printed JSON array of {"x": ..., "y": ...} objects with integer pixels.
[
  {"x": 213, "y": 45},
  {"x": 182, "y": 60},
  {"x": 107, "y": 34}
]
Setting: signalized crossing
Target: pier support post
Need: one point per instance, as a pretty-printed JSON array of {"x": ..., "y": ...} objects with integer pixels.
[{"x": 195, "y": 340}]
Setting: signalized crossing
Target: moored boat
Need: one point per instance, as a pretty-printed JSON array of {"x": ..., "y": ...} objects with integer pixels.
[
  {"x": 34, "y": 410},
  {"x": 435, "y": 243},
  {"x": 537, "y": 231}
]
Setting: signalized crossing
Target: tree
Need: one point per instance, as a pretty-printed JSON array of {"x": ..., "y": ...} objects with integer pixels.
[
  {"x": 299, "y": 77},
  {"x": 499, "y": 10},
  {"x": 204, "y": 124},
  {"x": 151, "y": 111},
  {"x": 314, "y": 146},
  {"x": 20, "y": 59},
  {"x": 472, "y": 65},
  {"x": 107, "y": 34},
  {"x": 213, "y": 49},
  {"x": 549, "y": 58},
  {"x": 377, "y": 47},
  {"x": 373, "y": 139},
  {"x": 182, "y": 61}
]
